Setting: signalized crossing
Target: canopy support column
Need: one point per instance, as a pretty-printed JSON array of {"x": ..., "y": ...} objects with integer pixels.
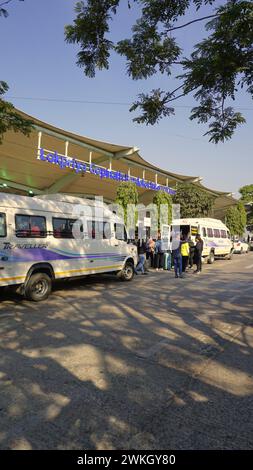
[{"x": 39, "y": 144}]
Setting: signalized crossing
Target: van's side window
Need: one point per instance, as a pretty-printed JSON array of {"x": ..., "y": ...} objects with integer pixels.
[
  {"x": 2, "y": 225},
  {"x": 223, "y": 234},
  {"x": 120, "y": 232},
  {"x": 99, "y": 230},
  {"x": 216, "y": 233},
  {"x": 62, "y": 227},
  {"x": 204, "y": 232},
  {"x": 107, "y": 230},
  {"x": 91, "y": 228},
  {"x": 30, "y": 226},
  {"x": 210, "y": 232},
  {"x": 228, "y": 234}
]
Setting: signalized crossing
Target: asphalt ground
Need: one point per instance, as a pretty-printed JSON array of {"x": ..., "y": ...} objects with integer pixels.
[{"x": 157, "y": 363}]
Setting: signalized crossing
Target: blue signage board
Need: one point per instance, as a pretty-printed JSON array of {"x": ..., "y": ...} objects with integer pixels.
[{"x": 82, "y": 167}]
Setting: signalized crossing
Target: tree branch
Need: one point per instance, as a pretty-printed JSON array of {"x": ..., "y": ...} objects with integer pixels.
[
  {"x": 5, "y": 3},
  {"x": 170, "y": 63},
  {"x": 176, "y": 89},
  {"x": 167, "y": 98},
  {"x": 191, "y": 22},
  {"x": 178, "y": 96}
]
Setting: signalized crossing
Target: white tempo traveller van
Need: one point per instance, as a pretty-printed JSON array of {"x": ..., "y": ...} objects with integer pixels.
[
  {"x": 215, "y": 234},
  {"x": 43, "y": 238}
]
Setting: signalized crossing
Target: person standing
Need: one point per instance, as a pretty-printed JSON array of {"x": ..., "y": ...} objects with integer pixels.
[
  {"x": 167, "y": 253},
  {"x": 185, "y": 250},
  {"x": 177, "y": 257},
  {"x": 169, "y": 260},
  {"x": 142, "y": 257},
  {"x": 198, "y": 253},
  {"x": 159, "y": 254},
  {"x": 150, "y": 251},
  {"x": 192, "y": 252}
]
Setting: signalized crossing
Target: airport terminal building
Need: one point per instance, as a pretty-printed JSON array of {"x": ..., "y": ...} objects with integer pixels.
[{"x": 52, "y": 160}]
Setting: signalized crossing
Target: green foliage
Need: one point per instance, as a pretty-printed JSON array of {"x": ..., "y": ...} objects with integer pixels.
[
  {"x": 89, "y": 29},
  {"x": 160, "y": 198},
  {"x": 246, "y": 193},
  {"x": 250, "y": 216},
  {"x": 9, "y": 118},
  {"x": 218, "y": 67},
  {"x": 146, "y": 53},
  {"x": 231, "y": 220},
  {"x": 153, "y": 108},
  {"x": 242, "y": 217},
  {"x": 247, "y": 198},
  {"x": 126, "y": 194},
  {"x": 194, "y": 202},
  {"x": 236, "y": 219}
]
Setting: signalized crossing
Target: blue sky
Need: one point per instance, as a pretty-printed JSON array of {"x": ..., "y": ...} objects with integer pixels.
[{"x": 37, "y": 63}]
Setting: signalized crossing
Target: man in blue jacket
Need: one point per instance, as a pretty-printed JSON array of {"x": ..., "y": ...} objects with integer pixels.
[
  {"x": 176, "y": 253},
  {"x": 141, "y": 247}
]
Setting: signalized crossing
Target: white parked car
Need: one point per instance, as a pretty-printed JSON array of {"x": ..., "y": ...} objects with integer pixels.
[{"x": 240, "y": 247}]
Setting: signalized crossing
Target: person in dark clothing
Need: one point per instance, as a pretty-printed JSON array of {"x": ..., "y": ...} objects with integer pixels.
[
  {"x": 141, "y": 247},
  {"x": 159, "y": 254},
  {"x": 192, "y": 252},
  {"x": 198, "y": 253},
  {"x": 177, "y": 257}
]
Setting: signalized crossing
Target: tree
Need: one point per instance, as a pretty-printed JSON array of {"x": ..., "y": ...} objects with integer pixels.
[
  {"x": 194, "y": 202},
  {"x": 250, "y": 216},
  {"x": 219, "y": 65},
  {"x": 246, "y": 193},
  {"x": 247, "y": 199},
  {"x": 236, "y": 219},
  {"x": 162, "y": 198},
  {"x": 242, "y": 218},
  {"x": 9, "y": 118},
  {"x": 231, "y": 220},
  {"x": 126, "y": 194}
]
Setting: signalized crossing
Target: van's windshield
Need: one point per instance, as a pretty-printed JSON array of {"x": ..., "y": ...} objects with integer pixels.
[{"x": 120, "y": 232}]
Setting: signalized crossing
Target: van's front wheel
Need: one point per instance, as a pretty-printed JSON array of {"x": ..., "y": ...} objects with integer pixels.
[
  {"x": 38, "y": 287},
  {"x": 127, "y": 272}
]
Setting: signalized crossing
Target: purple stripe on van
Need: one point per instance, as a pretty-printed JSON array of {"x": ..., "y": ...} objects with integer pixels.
[{"x": 41, "y": 254}]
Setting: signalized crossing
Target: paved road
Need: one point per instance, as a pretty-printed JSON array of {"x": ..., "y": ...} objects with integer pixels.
[{"x": 159, "y": 363}]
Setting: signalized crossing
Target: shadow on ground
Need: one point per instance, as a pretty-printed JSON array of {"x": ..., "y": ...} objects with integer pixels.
[{"x": 146, "y": 365}]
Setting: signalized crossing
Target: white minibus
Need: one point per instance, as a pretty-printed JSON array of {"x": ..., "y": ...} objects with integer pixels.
[
  {"x": 215, "y": 234},
  {"x": 44, "y": 238}
]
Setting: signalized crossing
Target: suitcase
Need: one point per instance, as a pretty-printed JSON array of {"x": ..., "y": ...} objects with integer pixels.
[{"x": 167, "y": 261}]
